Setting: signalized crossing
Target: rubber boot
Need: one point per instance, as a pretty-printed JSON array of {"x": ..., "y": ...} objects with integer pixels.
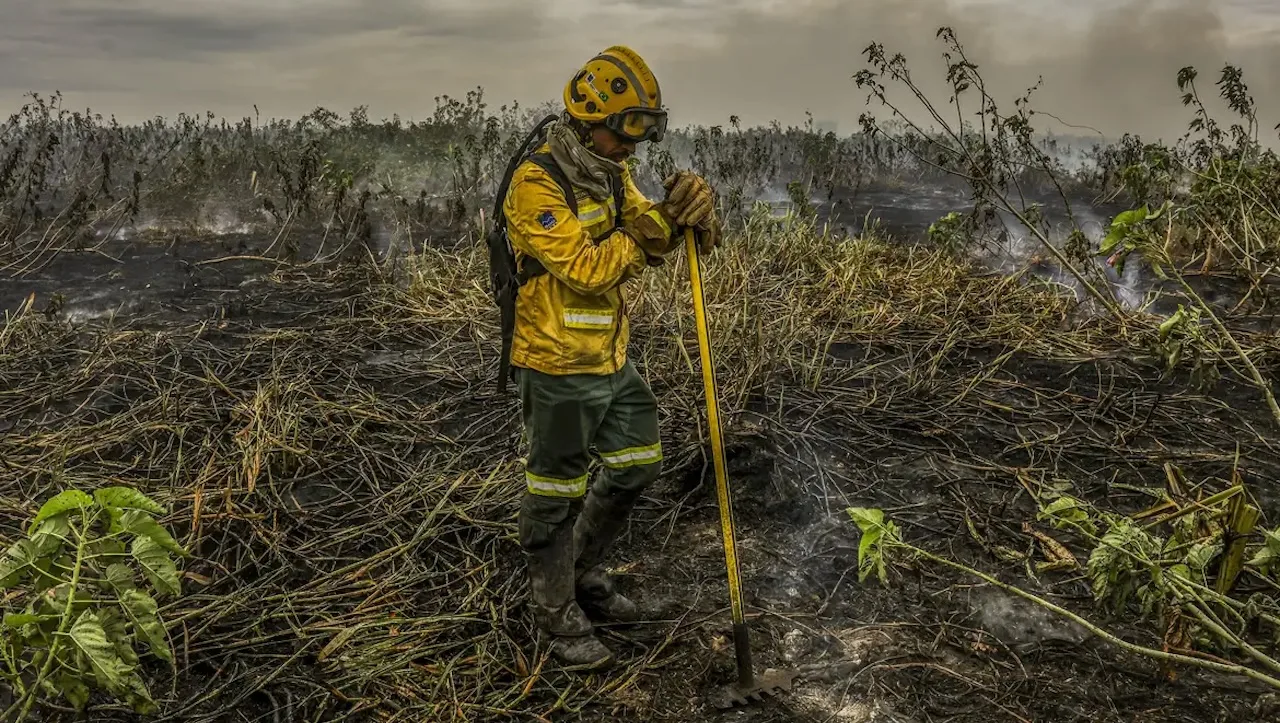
[
  {"x": 551, "y": 591},
  {"x": 598, "y": 526}
]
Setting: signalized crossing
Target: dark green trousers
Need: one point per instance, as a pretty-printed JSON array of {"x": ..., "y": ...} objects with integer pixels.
[{"x": 566, "y": 419}]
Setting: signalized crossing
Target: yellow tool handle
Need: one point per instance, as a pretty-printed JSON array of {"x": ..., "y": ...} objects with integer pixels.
[{"x": 717, "y": 443}]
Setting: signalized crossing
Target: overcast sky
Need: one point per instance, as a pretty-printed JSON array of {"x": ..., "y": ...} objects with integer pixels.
[{"x": 1110, "y": 65}]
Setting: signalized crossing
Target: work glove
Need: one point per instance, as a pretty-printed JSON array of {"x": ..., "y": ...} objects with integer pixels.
[
  {"x": 689, "y": 199},
  {"x": 709, "y": 234},
  {"x": 651, "y": 237}
]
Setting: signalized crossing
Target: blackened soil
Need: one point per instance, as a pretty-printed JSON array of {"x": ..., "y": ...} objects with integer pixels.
[
  {"x": 934, "y": 644},
  {"x": 943, "y": 454}
]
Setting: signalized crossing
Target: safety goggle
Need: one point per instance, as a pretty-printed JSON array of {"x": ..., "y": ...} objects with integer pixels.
[{"x": 638, "y": 124}]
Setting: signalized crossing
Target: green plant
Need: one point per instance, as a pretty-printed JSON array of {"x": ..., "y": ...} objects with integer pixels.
[
  {"x": 950, "y": 232},
  {"x": 1149, "y": 234},
  {"x": 997, "y": 155},
  {"x": 87, "y": 574},
  {"x": 1127, "y": 564}
]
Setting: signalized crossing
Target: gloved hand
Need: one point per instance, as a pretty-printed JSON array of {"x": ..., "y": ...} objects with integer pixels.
[
  {"x": 651, "y": 237},
  {"x": 690, "y": 199},
  {"x": 709, "y": 234}
]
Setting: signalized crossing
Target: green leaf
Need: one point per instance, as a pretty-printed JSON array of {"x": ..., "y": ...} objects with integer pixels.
[
  {"x": 138, "y": 696},
  {"x": 56, "y": 599},
  {"x": 108, "y": 550},
  {"x": 156, "y": 565},
  {"x": 90, "y": 640},
  {"x": 138, "y": 522},
  {"x": 874, "y": 531},
  {"x": 142, "y": 610},
  {"x": 19, "y": 559},
  {"x": 119, "y": 577},
  {"x": 1110, "y": 241},
  {"x": 64, "y": 501},
  {"x": 866, "y": 518},
  {"x": 115, "y": 625},
  {"x": 126, "y": 498},
  {"x": 18, "y": 620},
  {"x": 51, "y": 534},
  {"x": 1164, "y": 208},
  {"x": 1064, "y": 509},
  {"x": 74, "y": 689},
  {"x": 1131, "y": 217}
]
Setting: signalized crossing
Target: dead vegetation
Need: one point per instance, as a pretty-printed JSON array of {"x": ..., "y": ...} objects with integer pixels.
[{"x": 329, "y": 448}]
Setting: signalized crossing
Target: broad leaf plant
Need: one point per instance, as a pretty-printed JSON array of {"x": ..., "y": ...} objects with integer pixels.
[{"x": 80, "y": 595}]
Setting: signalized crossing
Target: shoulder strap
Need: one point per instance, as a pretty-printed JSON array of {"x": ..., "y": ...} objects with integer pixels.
[
  {"x": 513, "y": 164},
  {"x": 548, "y": 164}
]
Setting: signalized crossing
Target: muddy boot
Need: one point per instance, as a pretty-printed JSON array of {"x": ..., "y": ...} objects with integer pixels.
[
  {"x": 598, "y": 525},
  {"x": 551, "y": 583}
]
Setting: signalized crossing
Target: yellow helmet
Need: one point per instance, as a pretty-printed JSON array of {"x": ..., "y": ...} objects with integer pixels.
[{"x": 617, "y": 88}]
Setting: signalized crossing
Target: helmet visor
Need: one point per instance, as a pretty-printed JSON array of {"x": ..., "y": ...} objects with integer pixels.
[{"x": 639, "y": 124}]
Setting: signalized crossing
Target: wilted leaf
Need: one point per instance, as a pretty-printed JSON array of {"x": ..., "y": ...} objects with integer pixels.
[
  {"x": 1202, "y": 554},
  {"x": 156, "y": 565},
  {"x": 142, "y": 610},
  {"x": 126, "y": 498},
  {"x": 138, "y": 696},
  {"x": 1059, "y": 557},
  {"x": 74, "y": 689},
  {"x": 1008, "y": 554},
  {"x": 1264, "y": 559},
  {"x": 64, "y": 501},
  {"x": 90, "y": 640},
  {"x": 114, "y": 624}
]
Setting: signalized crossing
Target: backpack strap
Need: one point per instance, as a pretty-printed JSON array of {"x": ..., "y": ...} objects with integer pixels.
[
  {"x": 531, "y": 266},
  {"x": 547, "y": 163}
]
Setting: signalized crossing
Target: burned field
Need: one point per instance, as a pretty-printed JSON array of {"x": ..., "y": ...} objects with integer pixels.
[
  {"x": 264, "y": 356},
  {"x": 333, "y": 456}
]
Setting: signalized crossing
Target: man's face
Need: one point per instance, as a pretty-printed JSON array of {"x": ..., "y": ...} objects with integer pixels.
[{"x": 610, "y": 145}]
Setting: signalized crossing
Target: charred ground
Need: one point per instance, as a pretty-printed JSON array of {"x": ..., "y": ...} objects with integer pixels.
[
  {"x": 309, "y": 394},
  {"x": 333, "y": 454}
]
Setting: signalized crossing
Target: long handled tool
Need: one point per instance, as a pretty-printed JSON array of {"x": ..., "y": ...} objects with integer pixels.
[{"x": 749, "y": 686}]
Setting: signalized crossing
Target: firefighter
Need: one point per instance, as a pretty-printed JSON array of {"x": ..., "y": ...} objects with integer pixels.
[{"x": 568, "y": 354}]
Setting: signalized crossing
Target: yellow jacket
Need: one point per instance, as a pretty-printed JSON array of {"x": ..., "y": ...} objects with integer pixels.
[{"x": 572, "y": 320}]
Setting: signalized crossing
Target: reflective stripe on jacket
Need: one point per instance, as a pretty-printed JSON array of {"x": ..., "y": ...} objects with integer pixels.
[{"x": 572, "y": 320}]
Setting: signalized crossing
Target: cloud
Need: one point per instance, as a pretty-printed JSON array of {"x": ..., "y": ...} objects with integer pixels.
[
  {"x": 1109, "y": 65},
  {"x": 1112, "y": 67}
]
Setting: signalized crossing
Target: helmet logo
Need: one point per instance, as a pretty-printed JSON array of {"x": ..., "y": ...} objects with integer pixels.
[{"x": 603, "y": 96}]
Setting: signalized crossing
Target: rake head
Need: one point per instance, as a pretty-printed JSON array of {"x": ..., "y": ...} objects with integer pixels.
[{"x": 771, "y": 683}]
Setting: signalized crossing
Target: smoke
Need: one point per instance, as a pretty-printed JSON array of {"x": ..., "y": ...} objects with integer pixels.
[
  {"x": 1106, "y": 65},
  {"x": 1110, "y": 67}
]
